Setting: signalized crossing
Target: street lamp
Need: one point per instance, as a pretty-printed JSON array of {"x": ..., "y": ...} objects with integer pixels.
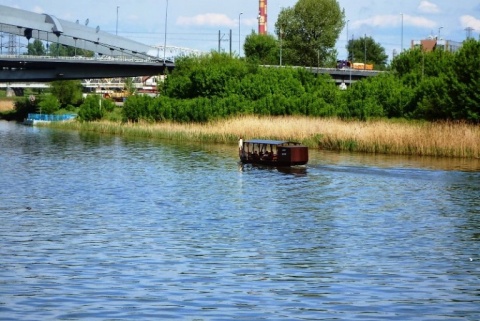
[
  {"x": 239, "y": 41},
  {"x": 402, "y": 34},
  {"x": 365, "y": 54},
  {"x": 281, "y": 36},
  {"x": 348, "y": 51},
  {"x": 116, "y": 30},
  {"x": 165, "y": 41},
  {"x": 439, "y": 32}
]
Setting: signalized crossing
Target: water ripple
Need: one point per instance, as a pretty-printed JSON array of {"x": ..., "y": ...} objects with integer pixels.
[{"x": 103, "y": 228}]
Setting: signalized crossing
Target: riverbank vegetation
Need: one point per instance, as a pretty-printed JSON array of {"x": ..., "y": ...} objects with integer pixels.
[
  {"x": 427, "y": 104},
  {"x": 447, "y": 139}
]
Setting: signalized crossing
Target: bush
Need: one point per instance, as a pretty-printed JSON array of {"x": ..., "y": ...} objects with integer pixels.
[
  {"x": 48, "y": 104},
  {"x": 91, "y": 109}
]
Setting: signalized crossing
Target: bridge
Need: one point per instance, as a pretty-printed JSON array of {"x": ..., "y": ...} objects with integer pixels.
[
  {"x": 115, "y": 56},
  {"x": 44, "y": 69}
]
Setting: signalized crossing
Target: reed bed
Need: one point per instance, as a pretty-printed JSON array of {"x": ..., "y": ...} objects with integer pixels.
[{"x": 447, "y": 139}]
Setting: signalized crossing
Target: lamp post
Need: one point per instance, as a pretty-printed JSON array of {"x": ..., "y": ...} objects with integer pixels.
[
  {"x": 281, "y": 36},
  {"x": 348, "y": 49},
  {"x": 116, "y": 29},
  {"x": 401, "y": 48},
  {"x": 239, "y": 41},
  {"x": 365, "y": 54},
  {"x": 165, "y": 41}
]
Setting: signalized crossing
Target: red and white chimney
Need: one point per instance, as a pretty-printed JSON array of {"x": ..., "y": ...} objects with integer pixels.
[{"x": 262, "y": 17}]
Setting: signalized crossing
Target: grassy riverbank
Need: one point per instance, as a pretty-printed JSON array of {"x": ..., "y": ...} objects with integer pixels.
[{"x": 445, "y": 139}]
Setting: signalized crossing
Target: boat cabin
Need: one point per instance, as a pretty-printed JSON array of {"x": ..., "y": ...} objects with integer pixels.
[{"x": 273, "y": 152}]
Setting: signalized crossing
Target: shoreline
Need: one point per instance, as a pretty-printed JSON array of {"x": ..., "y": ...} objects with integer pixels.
[{"x": 441, "y": 139}]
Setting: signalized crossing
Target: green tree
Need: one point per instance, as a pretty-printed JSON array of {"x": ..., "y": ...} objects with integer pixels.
[
  {"x": 129, "y": 86},
  {"x": 57, "y": 50},
  {"x": 366, "y": 50},
  {"x": 91, "y": 109},
  {"x": 36, "y": 48},
  {"x": 430, "y": 77},
  {"x": 309, "y": 31},
  {"x": 68, "y": 92},
  {"x": 464, "y": 87},
  {"x": 48, "y": 104},
  {"x": 261, "y": 49},
  {"x": 207, "y": 76}
]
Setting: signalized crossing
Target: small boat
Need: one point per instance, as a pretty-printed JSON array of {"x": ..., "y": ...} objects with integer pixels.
[{"x": 273, "y": 152}]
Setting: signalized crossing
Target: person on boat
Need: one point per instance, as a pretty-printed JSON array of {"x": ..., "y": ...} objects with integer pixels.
[{"x": 240, "y": 146}]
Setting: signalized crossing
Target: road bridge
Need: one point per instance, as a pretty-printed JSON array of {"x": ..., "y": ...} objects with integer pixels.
[
  {"x": 40, "y": 69},
  {"x": 115, "y": 56},
  {"x": 347, "y": 75},
  {"x": 344, "y": 75}
]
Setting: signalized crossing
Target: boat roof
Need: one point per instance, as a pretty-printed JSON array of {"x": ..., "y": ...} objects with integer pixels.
[{"x": 268, "y": 142}]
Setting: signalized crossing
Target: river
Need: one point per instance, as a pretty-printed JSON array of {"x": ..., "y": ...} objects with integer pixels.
[{"x": 108, "y": 228}]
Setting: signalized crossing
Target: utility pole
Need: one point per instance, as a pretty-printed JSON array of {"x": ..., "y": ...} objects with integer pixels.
[
  {"x": 116, "y": 29},
  {"x": 365, "y": 55},
  {"x": 239, "y": 39},
  {"x": 230, "y": 42},
  {"x": 348, "y": 49},
  {"x": 281, "y": 35},
  {"x": 469, "y": 32},
  {"x": 220, "y": 39},
  {"x": 165, "y": 41},
  {"x": 401, "y": 48}
]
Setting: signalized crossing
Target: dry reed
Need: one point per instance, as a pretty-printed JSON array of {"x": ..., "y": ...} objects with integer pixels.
[{"x": 450, "y": 139}]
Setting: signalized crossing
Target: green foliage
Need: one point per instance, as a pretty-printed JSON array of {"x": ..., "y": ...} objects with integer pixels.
[
  {"x": 91, "y": 109},
  {"x": 218, "y": 86},
  {"x": 207, "y": 76},
  {"x": 421, "y": 85},
  {"x": 261, "y": 49},
  {"x": 129, "y": 86},
  {"x": 23, "y": 107},
  {"x": 48, "y": 104},
  {"x": 58, "y": 50},
  {"x": 368, "y": 51},
  {"x": 67, "y": 91},
  {"x": 309, "y": 31},
  {"x": 444, "y": 85},
  {"x": 464, "y": 86},
  {"x": 36, "y": 48}
]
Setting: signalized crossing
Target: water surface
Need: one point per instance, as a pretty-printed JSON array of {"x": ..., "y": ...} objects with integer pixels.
[{"x": 107, "y": 228}]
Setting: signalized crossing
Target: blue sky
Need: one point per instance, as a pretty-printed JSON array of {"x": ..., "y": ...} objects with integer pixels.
[{"x": 195, "y": 24}]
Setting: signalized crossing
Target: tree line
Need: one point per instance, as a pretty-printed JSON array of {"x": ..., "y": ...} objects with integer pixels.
[
  {"x": 435, "y": 85},
  {"x": 421, "y": 85}
]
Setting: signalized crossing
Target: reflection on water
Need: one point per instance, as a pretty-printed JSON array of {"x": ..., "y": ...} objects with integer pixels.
[{"x": 107, "y": 228}]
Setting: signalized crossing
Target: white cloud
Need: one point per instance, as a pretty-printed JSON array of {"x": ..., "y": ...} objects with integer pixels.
[
  {"x": 428, "y": 7},
  {"x": 378, "y": 21},
  {"x": 470, "y": 22},
  {"x": 38, "y": 9},
  {"x": 396, "y": 20},
  {"x": 418, "y": 21},
  {"x": 208, "y": 19}
]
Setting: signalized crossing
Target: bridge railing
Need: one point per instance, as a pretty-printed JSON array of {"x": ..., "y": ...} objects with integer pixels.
[{"x": 81, "y": 58}]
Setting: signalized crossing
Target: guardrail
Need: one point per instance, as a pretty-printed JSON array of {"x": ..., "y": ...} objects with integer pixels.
[{"x": 83, "y": 58}]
